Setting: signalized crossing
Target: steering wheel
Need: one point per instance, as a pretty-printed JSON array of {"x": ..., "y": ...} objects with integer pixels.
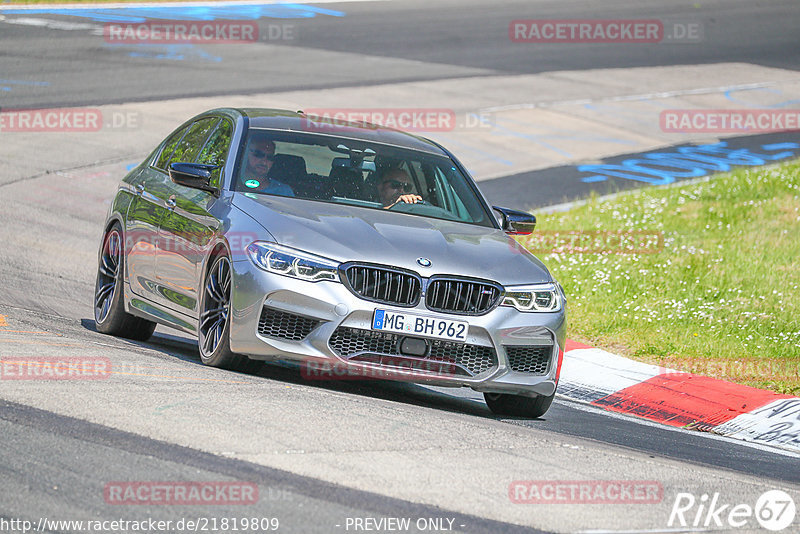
[{"x": 408, "y": 204}]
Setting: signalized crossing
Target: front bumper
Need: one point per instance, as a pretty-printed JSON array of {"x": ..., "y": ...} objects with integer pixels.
[{"x": 317, "y": 311}]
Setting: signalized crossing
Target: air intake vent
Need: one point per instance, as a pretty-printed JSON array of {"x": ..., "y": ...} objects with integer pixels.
[
  {"x": 282, "y": 325},
  {"x": 385, "y": 285},
  {"x": 366, "y": 345},
  {"x": 529, "y": 359},
  {"x": 461, "y": 296}
]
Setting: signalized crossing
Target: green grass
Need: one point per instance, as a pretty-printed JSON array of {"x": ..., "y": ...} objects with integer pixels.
[{"x": 721, "y": 299}]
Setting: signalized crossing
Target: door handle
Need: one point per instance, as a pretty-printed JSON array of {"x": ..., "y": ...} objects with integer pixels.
[{"x": 170, "y": 203}]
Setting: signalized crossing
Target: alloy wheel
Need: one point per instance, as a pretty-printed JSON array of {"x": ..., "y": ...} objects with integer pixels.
[
  {"x": 109, "y": 272},
  {"x": 216, "y": 304}
]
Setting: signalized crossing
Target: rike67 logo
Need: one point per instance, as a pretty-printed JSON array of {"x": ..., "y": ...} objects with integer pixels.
[{"x": 774, "y": 510}]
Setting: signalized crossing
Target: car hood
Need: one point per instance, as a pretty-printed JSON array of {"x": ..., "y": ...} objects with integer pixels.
[{"x": 348, "y": 233}]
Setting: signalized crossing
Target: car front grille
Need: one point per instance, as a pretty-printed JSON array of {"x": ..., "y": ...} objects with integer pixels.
[
  {"x": 383, "y": 284},
  {"x": 365, "y": 345},
  {"x": 460, "y": 296},
  {"x": 283, "y": 325},
  {"x": 531, "y": 359}
]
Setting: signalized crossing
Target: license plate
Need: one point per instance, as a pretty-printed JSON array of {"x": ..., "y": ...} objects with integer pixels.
[{"x": 419, "y": 325}]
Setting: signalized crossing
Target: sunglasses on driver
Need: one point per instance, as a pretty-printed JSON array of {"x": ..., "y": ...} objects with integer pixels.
[
  {"x": 260, "y": 154},
  {"x": 397, "y": 184}
]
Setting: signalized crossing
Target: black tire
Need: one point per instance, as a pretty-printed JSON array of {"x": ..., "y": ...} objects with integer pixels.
[
  {"x": 213, "y": 325},
  {"x": 518, "y": 405},
  {"x": 110, "y": 316}
]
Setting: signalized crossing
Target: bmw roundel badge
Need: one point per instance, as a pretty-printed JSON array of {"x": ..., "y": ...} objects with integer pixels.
[{"x": 424, "y": 262}]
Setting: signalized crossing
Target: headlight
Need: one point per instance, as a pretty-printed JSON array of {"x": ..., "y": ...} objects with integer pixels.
[
  {"x": 290, "y": 262},
  {"x": 534, "y": 298}
]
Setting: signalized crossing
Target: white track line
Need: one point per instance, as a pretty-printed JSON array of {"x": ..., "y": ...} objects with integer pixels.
[
  {"x": 630, "y": 98},
  {"x": 586, "y": 407}
]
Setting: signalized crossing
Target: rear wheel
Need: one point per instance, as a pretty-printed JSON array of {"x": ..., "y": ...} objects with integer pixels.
[
  {"x": 213, "y": 329},
  {"x": 518, "y": 405},
  {"x": 110, "y": 316}
]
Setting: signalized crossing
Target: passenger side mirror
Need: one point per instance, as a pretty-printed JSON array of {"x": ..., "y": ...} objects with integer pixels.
[
  {"x": 194, "y": 175},
  {"x": 516, "y": 222}
]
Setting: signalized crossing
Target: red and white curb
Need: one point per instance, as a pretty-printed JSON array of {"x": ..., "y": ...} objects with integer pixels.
[{"x": 679, "y": 399}]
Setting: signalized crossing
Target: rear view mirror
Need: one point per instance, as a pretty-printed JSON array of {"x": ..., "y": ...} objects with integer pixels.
[
  {"x": 194, "y": 175},
  {"x": 516, "y": 222}
]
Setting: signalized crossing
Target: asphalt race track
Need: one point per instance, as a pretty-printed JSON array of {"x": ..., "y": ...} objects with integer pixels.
[
  {"x": 406, "y": 40},
  {"x": 325, "y": 454}
]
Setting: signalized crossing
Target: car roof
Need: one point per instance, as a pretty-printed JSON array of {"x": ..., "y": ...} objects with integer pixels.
[{"x": 297, "y": 121}]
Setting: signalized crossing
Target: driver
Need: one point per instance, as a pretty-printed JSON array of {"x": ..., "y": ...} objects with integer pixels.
[
  {"x": 259, "y": 162},
  {"x": 395, "y": 187}
]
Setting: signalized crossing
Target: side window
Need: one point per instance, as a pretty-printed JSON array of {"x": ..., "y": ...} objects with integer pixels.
[
  {"x": 420, "y": 178},
  {"x": 188, "y": 147},
  {"x": 216, "y": 149},
  {"x": 452, "y": 202},
  {"x": 169, "y": 148}
]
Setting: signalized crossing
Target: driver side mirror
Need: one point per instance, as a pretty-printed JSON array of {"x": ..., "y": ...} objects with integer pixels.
[
  {"x": 516, "y": 222},
  {"x": 194, "y": 175}
]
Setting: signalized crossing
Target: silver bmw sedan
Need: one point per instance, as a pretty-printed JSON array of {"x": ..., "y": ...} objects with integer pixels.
[{"x": 356, "y": 251}]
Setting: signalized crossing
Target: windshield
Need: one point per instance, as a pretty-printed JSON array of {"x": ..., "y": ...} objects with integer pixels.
[{"x": 357, "y": 173}]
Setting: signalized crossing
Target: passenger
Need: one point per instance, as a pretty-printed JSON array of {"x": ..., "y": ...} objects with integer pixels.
[
  {"x": 259, "y": 162},
  {"x": 395, "y": 187}
]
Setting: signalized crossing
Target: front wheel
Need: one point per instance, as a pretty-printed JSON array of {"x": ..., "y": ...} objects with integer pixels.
[
  {"x": 518, "y": 405},
  {"x": 214, "y": 324},
  {"x": 110, "y": 316}
]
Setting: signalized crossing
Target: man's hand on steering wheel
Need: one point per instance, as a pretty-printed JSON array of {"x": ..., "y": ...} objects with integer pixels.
[{"x": 406, "y": 199}]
